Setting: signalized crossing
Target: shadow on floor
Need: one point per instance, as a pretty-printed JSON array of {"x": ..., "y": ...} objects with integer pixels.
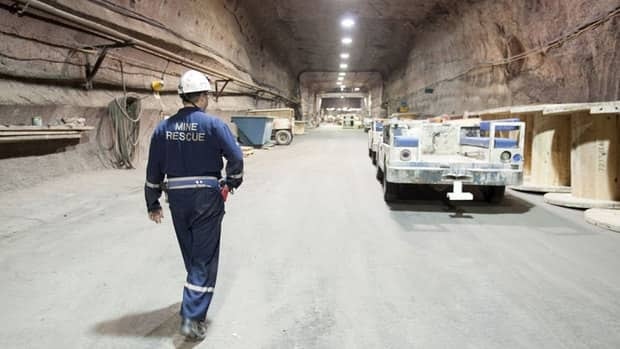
[
  {"x": 159, "y": 323},
  {"x": 429, "y": 199}
]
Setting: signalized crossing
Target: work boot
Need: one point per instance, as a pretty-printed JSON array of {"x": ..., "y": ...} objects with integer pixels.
[{"x": 193, "y": 329}]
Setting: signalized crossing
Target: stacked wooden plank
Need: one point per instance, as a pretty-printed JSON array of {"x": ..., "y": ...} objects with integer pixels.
[
  {"x": 574, "y": 152},
  {"x": 17, "y": 134},
  {"x": 247, "y": 151},
  {"x": 565, "y": 144}
]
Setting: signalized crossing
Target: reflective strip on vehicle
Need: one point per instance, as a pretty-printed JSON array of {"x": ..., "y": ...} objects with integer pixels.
[
  {"x": 151, "y": 185},
  {"x": 237, "y": 176},
  {"x": 198, "y": 288}
]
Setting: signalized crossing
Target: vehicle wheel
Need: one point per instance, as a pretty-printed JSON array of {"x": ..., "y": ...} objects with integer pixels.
[
  {"x": 379, "y": 174},
  {"x": 494, "y": 194},
  {"x": 370, "y": 153},
  {"x": 390, "y": 191},
  {"x": 284, "y": 137},
  {"x": 374, "y": 158}
]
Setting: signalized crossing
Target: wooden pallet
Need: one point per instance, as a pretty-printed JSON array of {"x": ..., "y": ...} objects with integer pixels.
[{"x": 17, "y": 134}]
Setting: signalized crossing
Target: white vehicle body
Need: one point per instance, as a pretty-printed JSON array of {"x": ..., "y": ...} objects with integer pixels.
[
  {"x": 349, "y": 121},
  {"x": 374, "y": 137},
  {"x": 488, "y": 154},
  {"x": 367, "y": 124}
]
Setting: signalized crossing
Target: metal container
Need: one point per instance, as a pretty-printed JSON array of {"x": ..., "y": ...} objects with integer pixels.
[{"x": 253, "y": 130}]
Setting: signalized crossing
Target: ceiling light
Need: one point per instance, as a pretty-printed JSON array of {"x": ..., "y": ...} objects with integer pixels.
[
  {"x": 339, "y": 83},
  {"x": 342, "y": 73},
  {"x": 347, "y": 40},
  {"x": 340, "y": 78},
  {"x": 344, "y": 55},
  {"x": 341, "y": 97},
  {"x": 343, "y": 66},
  {"x": 357, "y": 89},
  {"x": 347, "y": 23}
]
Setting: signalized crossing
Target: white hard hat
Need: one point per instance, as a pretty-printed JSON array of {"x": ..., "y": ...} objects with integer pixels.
[{"x": 193, "y": 81}]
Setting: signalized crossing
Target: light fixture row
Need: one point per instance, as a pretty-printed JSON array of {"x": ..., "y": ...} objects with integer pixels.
[{"x": 347, "y": 23}]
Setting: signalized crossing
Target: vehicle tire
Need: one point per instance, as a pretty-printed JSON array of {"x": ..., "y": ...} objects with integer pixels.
[
  {"x": 379, "y": 174},
  {"x": 390, "y": 191},
  {"x": 374, "y": 158},
  {"x": 284, "y": 137},
  {"x": 494, "y": 194},
  {"x": 370, "y": 153}
]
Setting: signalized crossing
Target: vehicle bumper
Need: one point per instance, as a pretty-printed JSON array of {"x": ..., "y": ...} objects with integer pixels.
[{"x": 468, "y": 176}]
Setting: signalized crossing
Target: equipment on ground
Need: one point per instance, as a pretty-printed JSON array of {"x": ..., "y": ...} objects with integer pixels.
[
  {"x": 348, "y": 121},
  {"x": 125, "y": 113},
  {"x": 283, "y": 123},
  {"x": 367, "y": 124},
  {"x": 487, "y": 154},
  {"x": 374, "y": 138},
  {"x": 253, "y": 130}
]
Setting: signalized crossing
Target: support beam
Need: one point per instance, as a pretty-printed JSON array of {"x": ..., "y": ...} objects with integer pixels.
[
  {"x": 103, "y": 51},
  {"x": 219, "y": 91}
]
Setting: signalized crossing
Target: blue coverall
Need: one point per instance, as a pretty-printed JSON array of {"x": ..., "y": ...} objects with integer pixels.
[{"x": 188, "y": 147}]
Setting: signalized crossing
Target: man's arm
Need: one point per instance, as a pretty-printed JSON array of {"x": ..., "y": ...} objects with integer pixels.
[
  {"x": 154, "y": 175},
  {"x": 233, "y": 154}
]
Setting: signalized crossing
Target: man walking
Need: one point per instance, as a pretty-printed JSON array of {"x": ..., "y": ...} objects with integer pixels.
[{"x": 186, "y": 150}]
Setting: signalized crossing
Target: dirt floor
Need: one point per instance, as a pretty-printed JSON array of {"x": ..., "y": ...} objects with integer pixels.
[{"x": 311, "y": 258}]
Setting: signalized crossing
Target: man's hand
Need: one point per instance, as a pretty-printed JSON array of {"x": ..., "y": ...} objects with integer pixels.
[{"x": 156, "y": 215}]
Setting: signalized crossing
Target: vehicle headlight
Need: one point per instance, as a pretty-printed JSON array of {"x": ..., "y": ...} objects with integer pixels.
[
  {"x": 505, "y": 156},
  {"x": 405, "y": 155}
]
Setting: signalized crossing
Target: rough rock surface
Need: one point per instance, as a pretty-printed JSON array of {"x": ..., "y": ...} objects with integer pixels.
[{"x": 468, "y": 35}]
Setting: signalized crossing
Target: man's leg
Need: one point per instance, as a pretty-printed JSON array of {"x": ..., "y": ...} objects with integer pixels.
[
  {"x": 201, "y": 278},
  {"x": 197, "y": 217},
  {"x": 184, "y": 235}
]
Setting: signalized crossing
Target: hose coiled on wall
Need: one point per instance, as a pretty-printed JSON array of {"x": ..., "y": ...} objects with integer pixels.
[{"x": 125, "y": 113}]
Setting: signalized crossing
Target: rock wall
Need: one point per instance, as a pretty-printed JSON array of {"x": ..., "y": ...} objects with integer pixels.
[
  {"x": 376, "y": 100},
  {"x": 212, "y": 32},
  {"x": 448, "y": 68},
  {"x": 43, "y": 64}
]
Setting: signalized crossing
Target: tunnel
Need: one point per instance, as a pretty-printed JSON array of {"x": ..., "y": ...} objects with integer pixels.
[{"x": 356, "y": 173}]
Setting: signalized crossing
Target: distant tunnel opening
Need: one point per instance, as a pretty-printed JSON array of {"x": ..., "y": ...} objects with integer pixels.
[{"x": 340, "y": 103}]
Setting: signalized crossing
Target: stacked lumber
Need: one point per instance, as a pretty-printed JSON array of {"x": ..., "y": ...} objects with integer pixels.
[
  {"x": 285, "y": 113},
  {"x": 247, "y": 151},
  {"x": 573, "y": 148},
  {"x": 17, "y": 134}
]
